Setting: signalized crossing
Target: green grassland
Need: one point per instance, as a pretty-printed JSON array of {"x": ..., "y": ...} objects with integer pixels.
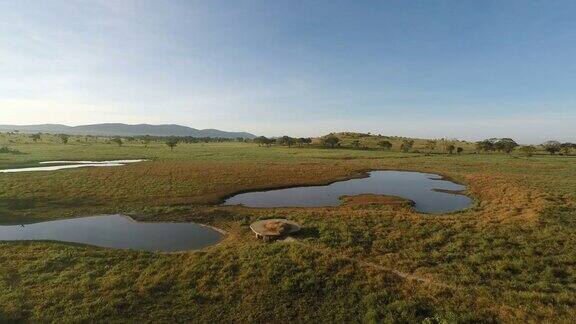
[{"x": 511, "y": 257}]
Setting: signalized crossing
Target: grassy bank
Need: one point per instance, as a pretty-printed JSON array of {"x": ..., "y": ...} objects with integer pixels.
[{"x": 509, "y": 258}]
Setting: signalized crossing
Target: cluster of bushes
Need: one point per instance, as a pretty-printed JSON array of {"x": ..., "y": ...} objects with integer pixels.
[
  {"x": 506, "y": 145},
  {"x": 554, "y": 147},
  {"x": 328, "y": 141},
  {"x": 332, "y": 141},
  {"x": 146, "y": 139},
  {"x": 284, "y": 141},
  {"x": 356, "y": 135},
  {"x": 64, "y": 138},
  {"x": 173, "y": 141},
  {"x": 7, "y": 150}
]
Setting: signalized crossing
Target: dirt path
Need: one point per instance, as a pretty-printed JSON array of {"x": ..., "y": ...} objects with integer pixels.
[{"x": 401, "y": 274}]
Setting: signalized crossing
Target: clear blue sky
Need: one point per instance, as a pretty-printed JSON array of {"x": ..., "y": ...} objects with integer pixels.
[{"x": 466, "y": 69}]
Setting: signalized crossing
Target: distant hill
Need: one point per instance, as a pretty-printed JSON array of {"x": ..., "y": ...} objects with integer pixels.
[{"x": 125, "y": 130}]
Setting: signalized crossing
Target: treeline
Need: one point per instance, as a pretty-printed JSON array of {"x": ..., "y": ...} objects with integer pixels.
[
  {"x": 333, "y": 140},
  {"x": 173, "y": 141},
  {"x": 406, "y": 145},
  {"x": 503, "y": 145},
  {"x": 145, "y": 139},
  {"x": 284, "y": 141},
  {"x": 507, "y": 145}
]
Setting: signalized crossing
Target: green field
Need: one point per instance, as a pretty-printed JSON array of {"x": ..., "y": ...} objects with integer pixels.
[{"x": 509, "y": 258}]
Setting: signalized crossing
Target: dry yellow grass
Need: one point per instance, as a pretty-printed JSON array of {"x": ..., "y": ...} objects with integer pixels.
[{"x": 369, "y": 199}]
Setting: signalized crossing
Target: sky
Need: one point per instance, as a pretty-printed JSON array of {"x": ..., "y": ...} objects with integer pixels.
[{"x": 434, "y": 69}]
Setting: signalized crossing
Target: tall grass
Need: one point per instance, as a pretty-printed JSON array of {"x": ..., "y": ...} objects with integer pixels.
[{"x": 509, "y": 258}]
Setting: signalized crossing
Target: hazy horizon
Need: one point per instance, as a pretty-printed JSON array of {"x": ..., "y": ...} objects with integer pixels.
[
  {"x": 288, "y": 134},
  {"x": 446, "y": 69}
]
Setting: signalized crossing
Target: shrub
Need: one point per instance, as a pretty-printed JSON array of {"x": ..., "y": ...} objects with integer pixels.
[
  {"x": 64, "y": 138},
  {"x": 172, "y": 142},
  {"x": 7, "y": 150},
  {"x": 286, "y": 141},
  {"x": 330, "y": 140},
  {"x": 385, "y": 145},
  {"x": 430, "y": 145},
  {"x": 566, "y": 147},
  {"x": 304, "y": 141},
  {"x": 117, "y": 140},
  {"x": 261, "y": 140},
  {"x": 407, "y": 145},
  {"x": 527, "y": 150}
]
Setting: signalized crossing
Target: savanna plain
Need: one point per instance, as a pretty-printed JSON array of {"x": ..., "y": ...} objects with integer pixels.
[{"x": 510, "y": 257}]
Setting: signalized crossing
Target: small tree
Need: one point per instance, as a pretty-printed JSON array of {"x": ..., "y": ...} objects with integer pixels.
[
  {"x": 117, "y": 140},
  {"x": 506, "y": 145},
  {"x": 407, "y": 145},
  {"x": 36, "y": 137},
  {"x": 64, "y": 138},
  {"x": 459, "y": 150},
  {"x": 286, "y": 140},
  {"x": 262, "y": 140},
  {"x": 448, "y": 145},
  {"x": 485, "y": 146},
  {"x": 355, "y": 144},
  {"x": 430, "y": 145},
  {"x": 269, "y": 142},
  {"x": 527, "y": 150},
  {"x": 330, "y": 140},
  {"x": 386, "y": 145},
  {"x": 172, "y": 142},
  {"x": 146, "y": 140},
  {"x": 304, "y": 141},
  {"x": 566, "y": 147},
  {"x": 552, "y": 147}
]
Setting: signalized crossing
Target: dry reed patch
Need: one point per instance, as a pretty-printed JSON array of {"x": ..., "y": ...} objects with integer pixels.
[
  {"x": 159, "y": 183},
  {"x": 208, "y": 182},
  {"x": 372, "y": 199},
  {"x": 504, "y": 199}
]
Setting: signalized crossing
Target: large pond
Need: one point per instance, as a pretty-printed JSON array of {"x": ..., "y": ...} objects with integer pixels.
[
  {"x": 429, "y": 192},
  {"x": 62, "y": 165},
  {"x": 116, "y": 231}
]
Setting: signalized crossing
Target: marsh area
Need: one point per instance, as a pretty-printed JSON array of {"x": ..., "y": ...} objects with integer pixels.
[{"x": 429, "y": 192}]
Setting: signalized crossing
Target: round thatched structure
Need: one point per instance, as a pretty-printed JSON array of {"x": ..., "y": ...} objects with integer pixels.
[{"x": 274, "y": 228}]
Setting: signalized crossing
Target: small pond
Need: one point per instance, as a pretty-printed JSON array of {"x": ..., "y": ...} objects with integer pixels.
[
  {"x": 117, "y": 231},
  {"x": 427, "y": 191},
  {"x": 62, "y": 165}
]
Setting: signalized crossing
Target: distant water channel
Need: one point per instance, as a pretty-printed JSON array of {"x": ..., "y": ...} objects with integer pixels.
[
  {"x": 117, "y": 231},
  {"x": 427, "y": 191},
  {"x": 62, "y": 165}
]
